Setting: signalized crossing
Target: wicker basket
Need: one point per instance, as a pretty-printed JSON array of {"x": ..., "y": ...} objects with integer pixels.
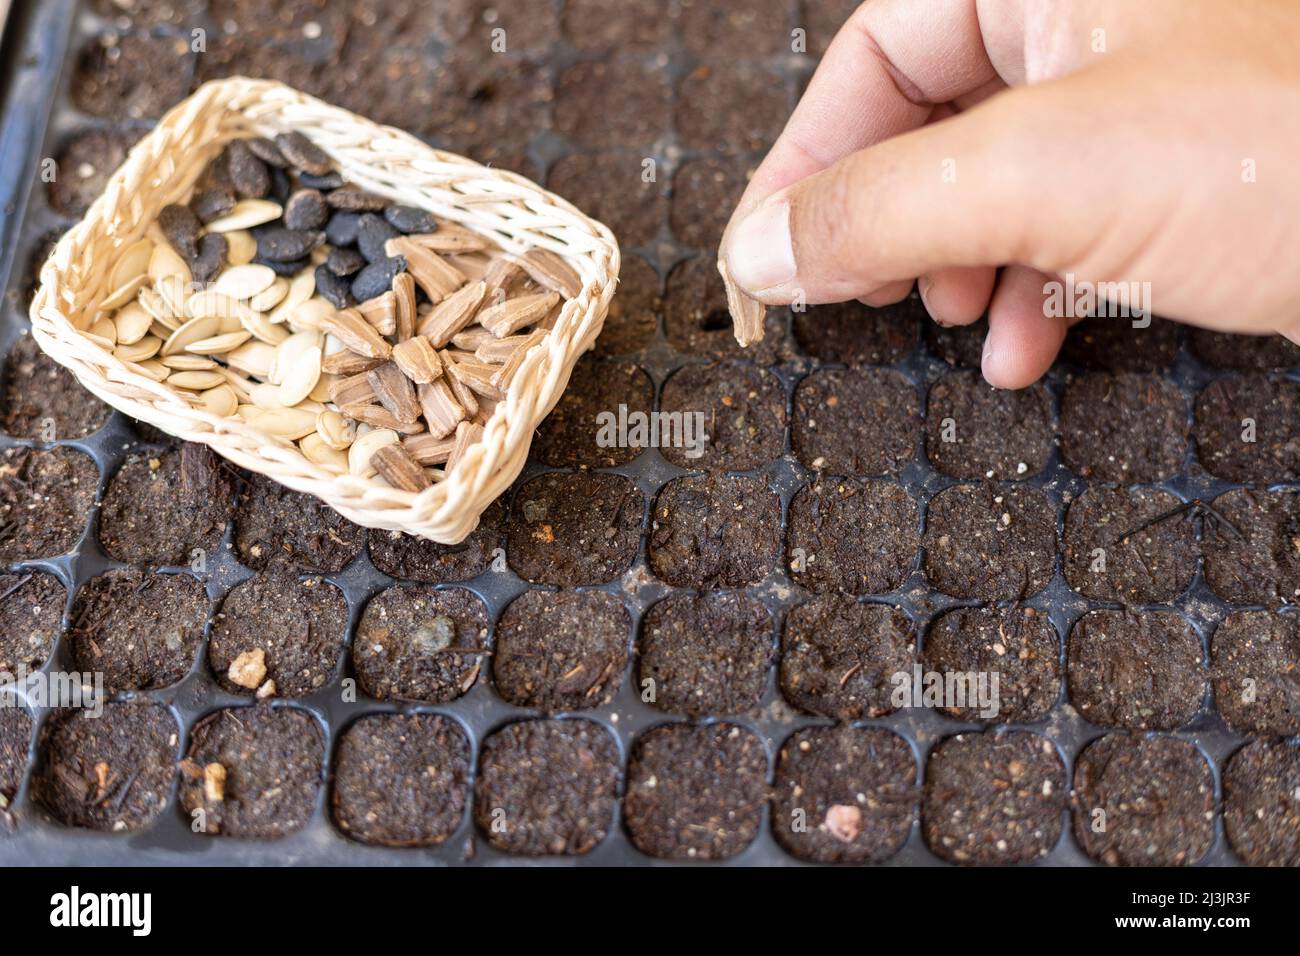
[{"x": 513, "y": 211}]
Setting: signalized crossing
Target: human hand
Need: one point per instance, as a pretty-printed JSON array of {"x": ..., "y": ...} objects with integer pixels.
[{"x": 1153, "y": 144}]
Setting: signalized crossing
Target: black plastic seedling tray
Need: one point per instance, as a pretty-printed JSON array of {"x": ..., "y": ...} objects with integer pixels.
[{"x": 40, "y": 44}]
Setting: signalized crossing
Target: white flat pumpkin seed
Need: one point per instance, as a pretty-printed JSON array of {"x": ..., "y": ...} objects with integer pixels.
[
  {"x": 133, "y": 322},
  {"x": 146, "y": 348},
  {"x": 173, "y": 290},
  {"x": 265, "y": 395},
  {"x": 199, "y": 381},
  {"x": 106, "y": 330},
  {"x": 219, "y": 344},
  {"x": 289, "y": 351},
  {"x": 154, "y": 369},
  {"x": 365, "y": 446},
  {"x": 311, "y": 314},
  {"x": 301, "y": 288},
  {"x": 244, "y": 282},
  {"x": 195, "y": 330},
  {"x": 181, "y": 362},
  {"x": 271, "y": 296},
  {"x": 246, "y": 214},
  {"x": 263, "y": 329},
  {"x": 123, "y": 294},
  {"x": 335, "y": 430},
  {"x": 253, "y": 358},
  {"x": 220, "y": 401},
  {"x": 133, "y": 263},
  {"x": 165, "y": 262},
  {"x": 318, "y": 452},
  {"x": 290, "y": 423},
  {"x": 241, "y": 247},
  {"x": 300, "y": 378},
  {"x": 321, "y": 393}
]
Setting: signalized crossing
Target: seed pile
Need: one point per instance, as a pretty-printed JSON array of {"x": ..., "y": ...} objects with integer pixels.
[{"x": 375, "y": 337}]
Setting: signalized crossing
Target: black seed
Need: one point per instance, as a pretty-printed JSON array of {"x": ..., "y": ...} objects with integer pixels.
[
  {"x": 345, "y": 262},
  {"x": 409, "y": 219},
  {"x": 280, "y": 185},
  {"x": 216, "y": 175},
  {"x": 285, "y": 245},
  {"x": 249, "y": 174},
  {"x": 181, "y": 227},
  {"x": 286, "y": 269},
  {"x": 376, "y": 278},
  {"x": 372, "y": 233},
  {"x": 210, "y": 257},
  {"x": 306, "y": 209},
  {"x": 267, "y": 151},
  {"x": 212, "y": 203},
  {"x": 330, "y": 180},
  {"x": 336, "y": 291},
  {"x": 358, "y": 200},
  {"x": 342, "y": 228},
  {"x": 303, "y": 153}
]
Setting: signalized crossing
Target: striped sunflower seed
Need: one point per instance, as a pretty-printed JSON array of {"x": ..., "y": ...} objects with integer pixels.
[
  {"x": 514, "y": 314},
  {"x": 427, "y": 450},
  {"x": 347, "y": 362},
  {"x": 356, "y": 333},
  {"x": 404, "y": 295},
  {"x": 747, "y": 314},
  {"x": 452, "y": 314},
  {"x": 432, "y": 273},
  {"x": 505, "y": 374},
  {"x": 477, "y": 376},
  {"x": 399, "y": 469},
  {"x": 467, "y": 435},
  {"x": 381, "y": 312},
  {"x": 395, "y": 392},
  {"x": 442, "y": 412},
  {"x": 380, "y": 417},
  {"x": 451, "y": 238},
  {"x": 352, "y": 390},
  {"x": 551, "y": 272},
  {"x": 418, "y": 360},
  {"x": 365, "y": 446}
]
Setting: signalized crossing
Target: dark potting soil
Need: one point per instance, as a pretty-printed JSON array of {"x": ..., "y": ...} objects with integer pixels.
[
  {"x": 574, "y": 529},
  {"x": 45, "y": 496},
  {"x": 611, "y": 187},
  {"x": 751, "y": 28},
  {"x": 1244, "y": 353},
  {"x": 1138, "y": 670},
  {"x": 1124, "y": 428},
  {"x": 547, "y": 787},
  {"x": 1253, "y": 658},
  {"x": 990, "y": 541},
  {"x": 420, "y": 643},
  {"x": 743, "y": 412},
  {"x": 1261, "y": 803},
  {"x": 714, "y": 531},
  {"x": 83, "y": 166},
  {"x": 961, "y": 346},
  {"x": 31, "y": 616},
  {"x": 1114, "y": 345},
  {"x": 696, "y": 320},
  {"x": 412, "y": 558},
  {"x": 705, "y": 654},
  {"x": 619, "y": 103},
  {"x": 561, "y": 650},
  {"x": 132, "y": 76},
  {"x": 850, "y": 333},
  {"x": 993, "y": 798},
  {"x": 839, "y": 656},
  {"x": 855, "y": 422},
  {"x": 298, "y": 625},
  {"x": 695, "y": 792},
  {"x": 273, "y": 761},
  {"x": 633, "y": 312},
  {"x": 15, "y": 732},
  {"x": 42, "y": 399},
  {"x": 1252, "y": 549},
  {"x": 1018, "y": 644},
  {"x": 401, "y": 779},
  {"x": 976, "y": 431},
  {"x": 602, "y": 24},
  {"x": 705, "y": 191},
  {"x": 107, "y": 772},
  {"x": 273, "y": 523},
  {"x": 140, "y": 630},
  {"x": 851, "y": 535},
  {"x": 1131, "y": 545},
  {"x": 844, "y": 794},
  {"x": 740, "y": 105},
  {"x": 823, "y": 20},
  {"x": 1230, "y": 411},
  {"x": 162, "y": 505},
  {"x": 577, "y": 433},
  {"x": 1143, "y": 801}
]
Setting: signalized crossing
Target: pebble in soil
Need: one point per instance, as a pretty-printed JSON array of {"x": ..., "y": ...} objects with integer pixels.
[
  {"x": 31, "y": 617},
  {"x": 705, "y": 654},
  {"x": 737, "y": 416},
  {"x": 560, "y": 650},
  {"x": 844, "y": 794},
  {"x": 1133, "y": 545},
  {"x": 15, "y": 732},
  {"x": 611, "y": 188},
  {"x": 574, "y": 529},
  {"x": 111, "y": 771},
  {"x": 295, "y": 626},
  {"x": 695, "y": 792},
  {"x": 839, "y": 656},
  {"x": 1261, "y": 803},
  {"x": 132, "y": 76},
  {"x": 1017, "y": 645},
  {"x": 163, "y": 506},
  {"x": 411, "y": 558},
  {"x": 855, "y": 422},
  {"x": 1137, "y": 670},
  {"x": 583, "y": 428},
  {"x": 1143, "y": 801},
  {"x": 741, "y": 105},
  {"x": 990, "y": 541},
  {"x": 1114, "y": 345},
  {"x": 271, "y": 764},
  {"x": 633, "y": 312},
  {"x": 420, "y": 644},
  {"x": 274, "y": 524},
  {"x": 851, "y": 535},
  {"x": 696, "y": 320},
  {"x": 45, "y": 496},
  {"x": 43, "y": 400},
  {"x": 1123, "y": 428},
  {"x": 1253, "y": 658},
  {"x": 853, "y": 334},
  {"x": 705, "y": 191},
  {"x": 976, "y": 431},
  {"x": 714, "y": 531},
  {"x": 993, "y": 798},
  {"x": 1243, "y": 353},
  {"x": 140, "y": 630},
  {"x": 1252, "y": 547},
  {"x": 547, "y": 787},
  {"x": 401, "y": 779},
  {"x": 616, "y": 103},
  {"x": 1248, "y": 428}
]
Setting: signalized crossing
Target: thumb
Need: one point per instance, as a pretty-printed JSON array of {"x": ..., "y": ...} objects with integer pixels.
[{"x": 973, "y": 190}]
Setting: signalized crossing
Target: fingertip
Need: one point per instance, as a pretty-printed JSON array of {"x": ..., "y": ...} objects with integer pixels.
[
  {"x": 957, "y": 296},
  {"x": 1023, "y": 340}
]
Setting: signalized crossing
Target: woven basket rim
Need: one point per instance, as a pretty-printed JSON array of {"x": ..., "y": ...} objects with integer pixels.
[{"x": 516, "y": 213}]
